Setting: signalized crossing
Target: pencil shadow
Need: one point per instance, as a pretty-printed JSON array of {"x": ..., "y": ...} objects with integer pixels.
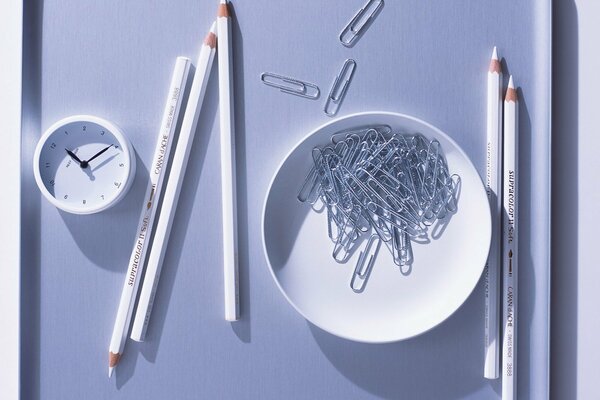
[
  {"x": 242, "y": 327},
  {"x": 181, "y": 219},
  {"x": 124, "y": 372},
  {"x": 565, "y": 208},
  {"x": 30, "y": 205},
  {"x": 505, "y": 73}
]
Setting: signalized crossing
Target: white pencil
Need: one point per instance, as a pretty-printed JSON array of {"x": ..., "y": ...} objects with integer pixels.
[
  {"x": 491, "y": 369},
  {"x": 510, "y": 254},
  {"x": 228, "y": 185},
  {"x": 171, "y": 197},
  {"x": 153, "y": 191}
]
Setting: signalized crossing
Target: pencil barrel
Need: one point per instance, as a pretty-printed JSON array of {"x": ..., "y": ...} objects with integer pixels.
[
  {"x": 154, "y": 190},
  {"x": 510, "y": 255},
  {"x": 228, "y": 170}
]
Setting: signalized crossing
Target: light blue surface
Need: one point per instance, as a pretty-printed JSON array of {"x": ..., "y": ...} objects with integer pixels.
[{"x": 114, "y": 59}]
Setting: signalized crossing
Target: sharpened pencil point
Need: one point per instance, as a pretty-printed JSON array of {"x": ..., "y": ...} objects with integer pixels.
[
  {"x": 113, "y": 360},
  {"x": 211, "y": 37},
  {"x": 495, "y": 63},
  {"x": 110, "y": 371},
  {"x": 223, "y": 10},
  {"x": 511, "y": 92}
]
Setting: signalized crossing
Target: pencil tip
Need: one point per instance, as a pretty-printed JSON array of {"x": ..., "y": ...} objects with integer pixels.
[
  {"x": 223, "y": 10},
  {"x": 113, "y": 360},
  {"x": 511, "y": 92},
  {"x": 211, "y": 37},
  {"x": 495, "y": 63}
]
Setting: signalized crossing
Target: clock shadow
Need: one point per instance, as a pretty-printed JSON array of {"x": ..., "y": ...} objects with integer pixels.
[
  {"x": 103, "y": 163},
  {"x": 105, "y": 238}
]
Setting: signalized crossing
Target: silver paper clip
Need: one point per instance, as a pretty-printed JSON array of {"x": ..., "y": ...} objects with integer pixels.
[
  {"x": 361, "y": 20},
  {"x": 361, "y": 272},
  {"x": 339, "y": 88},
  {"x": 291, "y": 85}
]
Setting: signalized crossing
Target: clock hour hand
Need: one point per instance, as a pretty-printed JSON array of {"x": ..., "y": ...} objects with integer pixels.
[
  {"x": 99, "y": 153},
  {"x": 74, "y": 156}
]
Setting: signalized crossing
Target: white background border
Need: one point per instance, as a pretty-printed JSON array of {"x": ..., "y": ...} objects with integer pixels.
[{"x": 11, "y": 41}]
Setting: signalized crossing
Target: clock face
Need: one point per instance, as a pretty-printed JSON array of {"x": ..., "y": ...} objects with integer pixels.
[{"x": 84, "y": 164}]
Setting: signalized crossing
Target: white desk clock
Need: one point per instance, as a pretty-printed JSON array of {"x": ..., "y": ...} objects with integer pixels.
[{"x": 84, "y": 164}]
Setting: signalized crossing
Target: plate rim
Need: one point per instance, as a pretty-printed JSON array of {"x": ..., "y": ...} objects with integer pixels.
[{"x": 270, "y": 186}]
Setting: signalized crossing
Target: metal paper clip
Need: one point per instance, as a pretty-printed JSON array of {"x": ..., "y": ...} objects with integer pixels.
[
  {"x": 361, "y": 20},
  {"x": 339, "y": 88},
  {"x": 362, "y": 272},
  {"x": 291, "y": 85},
  {"x": 358, "y": 132},
  {"x": 401, "y": 250},
  {"x": 375, "y": 182}
]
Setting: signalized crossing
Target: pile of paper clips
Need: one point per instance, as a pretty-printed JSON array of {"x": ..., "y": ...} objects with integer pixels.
[{"x": 383, "y": 187}]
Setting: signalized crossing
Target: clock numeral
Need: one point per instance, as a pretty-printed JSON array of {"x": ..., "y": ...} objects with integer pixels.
[
  {"x": 116, "y": 146},
  {"x": 84, "y": 128},
  {"x": 121, "y": 165},
  {"x": 47, "y": 165},
  {"x": 102, "y": 196},
  {"x": 53, "y": 145},
  {"x": 66, "y": 133},
  {"x": 66, "y": 196},
  {"x": 84, "y": 202},
  {"x": 102, "y": 133},
  {"x": 118, "y": 184},
  {"x": 52, "y": 182}
]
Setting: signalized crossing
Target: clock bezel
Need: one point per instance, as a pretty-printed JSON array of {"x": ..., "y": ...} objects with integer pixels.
[{"x": 122, "y": 140}]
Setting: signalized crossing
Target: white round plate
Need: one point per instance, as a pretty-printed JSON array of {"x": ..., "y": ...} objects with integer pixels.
[{"x": 393, "y": 306}]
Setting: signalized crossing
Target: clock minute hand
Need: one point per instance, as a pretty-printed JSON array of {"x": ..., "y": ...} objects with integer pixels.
[
  {"x": 99, "y": 153},
  {"x": 74, "y": 156}
]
